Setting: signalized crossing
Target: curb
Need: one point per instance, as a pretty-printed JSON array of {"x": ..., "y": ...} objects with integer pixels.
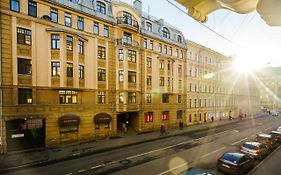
[{"x": 83, "y": 154}]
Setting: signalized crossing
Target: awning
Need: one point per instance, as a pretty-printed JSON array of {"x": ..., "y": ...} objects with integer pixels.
[
  {"x": 102, "y": 118},
  {"x": 69, "y": 119}
]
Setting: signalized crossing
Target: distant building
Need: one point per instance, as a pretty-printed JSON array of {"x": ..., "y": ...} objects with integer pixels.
[{"x": 75, "y": 71}]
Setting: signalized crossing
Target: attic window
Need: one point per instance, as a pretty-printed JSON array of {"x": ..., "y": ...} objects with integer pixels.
[
  {"x": 179, "y": 39},
  {"x": 165, "y": 32}
]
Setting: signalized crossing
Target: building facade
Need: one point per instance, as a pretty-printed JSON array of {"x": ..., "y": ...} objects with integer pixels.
[{"x": 74, "y": 71}]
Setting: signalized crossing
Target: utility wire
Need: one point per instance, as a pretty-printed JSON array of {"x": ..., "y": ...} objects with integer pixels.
[{"x": 212, "y": 30}]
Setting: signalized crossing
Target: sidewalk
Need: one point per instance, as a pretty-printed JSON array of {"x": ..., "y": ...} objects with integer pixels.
[{"x": 17, "y": 160}]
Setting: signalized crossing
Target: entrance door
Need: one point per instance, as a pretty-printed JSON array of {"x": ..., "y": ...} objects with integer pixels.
[{"x": 25, "y": 134}]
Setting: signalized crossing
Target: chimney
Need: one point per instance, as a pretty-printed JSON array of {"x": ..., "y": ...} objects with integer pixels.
[{"x": 138, "y": 5}]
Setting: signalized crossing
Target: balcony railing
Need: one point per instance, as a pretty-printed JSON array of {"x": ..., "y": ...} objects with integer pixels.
[
  {"x": 128, "y": 22},
  {"x": 125, "y": 42}
]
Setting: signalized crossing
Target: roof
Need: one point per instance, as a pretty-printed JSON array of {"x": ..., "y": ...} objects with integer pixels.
[
  {"x": 253, "y": 143},
  {"x": 264, "y": 135}
]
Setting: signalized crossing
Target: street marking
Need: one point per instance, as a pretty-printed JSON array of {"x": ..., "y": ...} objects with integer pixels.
[
  {"x": 239, "y": 141},
  {"x": 81, "y": 171},
  {"x": 98, "y": 166},
  {"x": 205, "y": 155},
  {"x": 68, "y": 174},
  {"x": 177, "y": 167}
]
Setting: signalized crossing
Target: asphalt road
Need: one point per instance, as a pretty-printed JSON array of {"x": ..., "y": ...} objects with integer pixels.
[{"x": 165, "y": 156}]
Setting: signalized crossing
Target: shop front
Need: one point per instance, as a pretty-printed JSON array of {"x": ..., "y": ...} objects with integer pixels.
[
  {"x": 102, "y": 123},
  {"x": 26, "y": 133},
  {"x": 68, "y": 128}
]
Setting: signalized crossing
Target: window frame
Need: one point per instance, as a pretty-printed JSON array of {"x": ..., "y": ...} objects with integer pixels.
[
  {"x": 69, "y": 43},
  {"x": 69, "y": 70},
  {"x": 32, "y": 5},
  {"x": 165, "y": 115},
  {"x": 132, "y": 97},
  {"x": 132, "y": 56},
  {"x": 81, "y": 69},
  {"x": 148, "y": 117},
  {"x": 96, "y": 28},
  {"x": 24, "y": 66},
  {"x": 132, "y": 77},
  {"x": 148, "y": 26},
  {"x": 25, "y": 96},
  {"x": 68, "y": 97},
  {"x": 101, "y": 74},
  {"x": 80, "y": 23},
  {"x": 67, "y": 19},
  {"x": 121, "y": 55},
  {"x": 101, "y": 52},
  {"x": 101, "y": 7},
  {"x": 106, "y": 31},
  {"x": 54, "y": 15},
  {"x": 55, "y": 41},
  {"x": 81, "y": 47},
  {"x": 55, "y": 68},
  {"x": 24, "y": 36},
  {"x": 101, "y": 97},
  {"x": 15, "y": 7}
]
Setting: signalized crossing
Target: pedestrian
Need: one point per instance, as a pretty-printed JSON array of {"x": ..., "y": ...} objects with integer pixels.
[
  {"x": 124, "y": 127},
  {"x": 162, "y": 129},
  {"x": 212, "y": 118},
  {"x": 181, "y": 124}
]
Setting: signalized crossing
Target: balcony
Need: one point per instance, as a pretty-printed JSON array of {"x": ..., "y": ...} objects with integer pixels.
[
  {"x": 129, "y": 23},
  {"x": 126, "y": 42}
]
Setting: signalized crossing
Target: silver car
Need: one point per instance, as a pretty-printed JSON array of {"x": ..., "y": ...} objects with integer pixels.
[{"x": 255, "y": 149}]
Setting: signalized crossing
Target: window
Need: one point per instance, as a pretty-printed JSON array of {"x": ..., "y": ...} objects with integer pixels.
[
  {"x": 132, "y": 76},
  {"x": 131, "y": 97},
  {"x": 144, "y": 43},
  {"x": 190, "y": 103},
  {"x": 168, "y": 65},
  {"x": 171, "y": 51},
  {"x": 15, "y": 5},
  {"x": 162, "y": 64},
  {"x": 105, "y": 31},
  {"x": 25, "y": 96},
  {"x": 180, "y": 70},
  {"x": 148, "y": 117},
  {"x": 177, "y": 52},
  {"x": 182, "y": 54},
  {"x": 127, "y": 18},
  {"x": 101, "y": 97},
  {"x": 151, "y": 45},
  {"x": 67, "y": 97},
  {"x": 81, "y": 72},
  {"x": 149, "y": 80},
  {"x": 169, "y": 81},
  {"x": 55, "y": 41},
  {"x": 96, "y": 28},
  {"x": 121, "y": 75},
  {"x": 195, "y": 103},
  {"x": 127, "y": 38},
  {"x": 165, "y": 32},
  {"x": 69, "y": 70},
  {"x": 190, "y": 86},
  {"x": 67, "y": 19},
  {"x": 179, "y": 39},
  {"x": 121, "y": 97},
  {"x": 55, "y": 68},
  {"x": 160, "y": 47},
  {"x": 165, "y": 115},
  {"x": 131, "y": 56},
  {"x": 23, "y": 36},
  {"x": 101, "y": 74},
  {"x": 148, "y": 98},
  {"x": 80, "y": 47},
  {"x": 101, "y": 7},
  {"x": 165, "y": 49},
  {"x": 148, "y": 62},
  {"x": 121, "y": 55},
  {"x": 101, "y": 52},
  {"x": 80, "y": 23},
  {"x": 161, "y": 81},
  {"x": 69, "y": 43},
  {"x": 54, "y": 15},
  {"x": 165, "y": 98},
  {"x": 24, "y": 66},
  {"x": 179, "y": 99},
  {"x": 32, "y": 8},
  {"x": 148, "y": 26}
]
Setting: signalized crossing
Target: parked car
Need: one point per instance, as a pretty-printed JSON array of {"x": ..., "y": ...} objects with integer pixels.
[
  {"x": 276, "y": 136},
  {"x": 274, "y": 113},
  {"x": 235, "y": 163},
  {"x": 195, "y": 171},
  {"x": 255, "y": 149},
  {"x": 279, "y": 129},
  {"x": 267, "y": 139}
]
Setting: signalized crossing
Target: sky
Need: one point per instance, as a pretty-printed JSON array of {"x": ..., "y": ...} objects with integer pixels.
[{"x": 253, "y": 42}]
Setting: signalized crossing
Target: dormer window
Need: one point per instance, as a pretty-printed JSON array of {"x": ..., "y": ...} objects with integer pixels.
[
  {"x": 179, "y": 39},
  {"x": 127, "y": 18},
  {"x": 148, "y": 26},
  {"x": 166, "y": 32},
  {"x": 101, "y": 7}
]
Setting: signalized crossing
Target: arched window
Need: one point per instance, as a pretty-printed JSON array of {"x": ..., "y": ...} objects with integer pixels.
[
  {"x": 127, "y": 18},
  {"x": 179, "y": 39},
  {"x": 101, "y": 7},
  {"x": 165, "y": 32},
  {"x": 148, "y": 26}
]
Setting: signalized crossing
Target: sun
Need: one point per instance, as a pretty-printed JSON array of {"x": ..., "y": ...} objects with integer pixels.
[{"x": 245, "y": 64}]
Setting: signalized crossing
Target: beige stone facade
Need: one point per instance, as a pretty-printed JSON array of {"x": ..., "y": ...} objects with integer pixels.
[{"x": 78, "y": 72}]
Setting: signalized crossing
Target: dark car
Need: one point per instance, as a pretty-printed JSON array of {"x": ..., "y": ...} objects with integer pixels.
[
  {"x": 267, "y": 139},
  {"x": 195, "y": 171},
  {"x": 235, "y": 163},
  {"x": 276, "y": 135},
  {"x": 255, "y": 149}
]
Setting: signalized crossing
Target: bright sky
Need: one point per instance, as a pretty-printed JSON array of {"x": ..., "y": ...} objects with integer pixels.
[{"x": 253, "y": 40}]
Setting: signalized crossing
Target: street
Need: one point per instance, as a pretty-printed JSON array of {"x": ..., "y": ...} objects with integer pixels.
[{"x": 165, "y": 156}]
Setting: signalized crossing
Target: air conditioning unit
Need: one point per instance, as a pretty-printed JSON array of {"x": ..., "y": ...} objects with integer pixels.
[{"x": 46, "y": 17}]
